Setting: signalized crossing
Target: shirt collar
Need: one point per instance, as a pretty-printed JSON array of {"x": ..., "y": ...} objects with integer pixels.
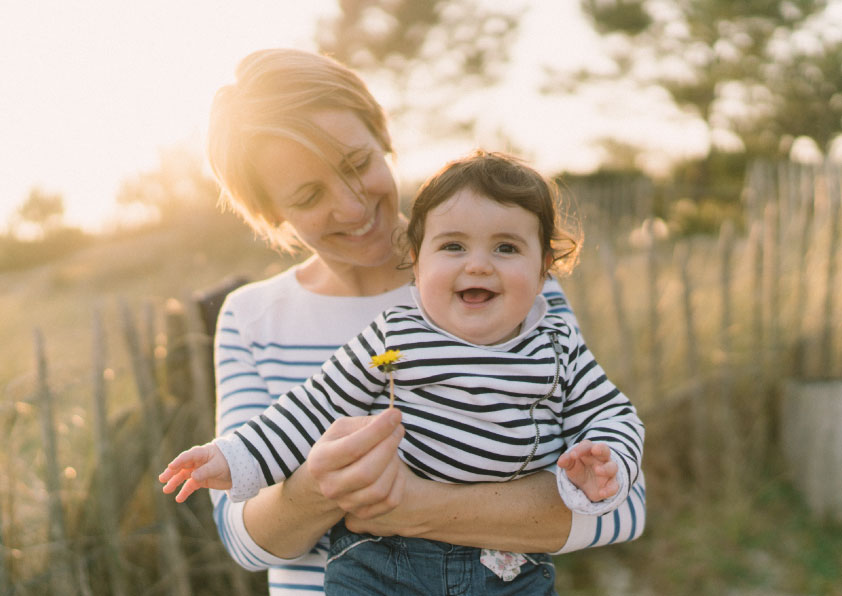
[{"x": 530, "y": 323}]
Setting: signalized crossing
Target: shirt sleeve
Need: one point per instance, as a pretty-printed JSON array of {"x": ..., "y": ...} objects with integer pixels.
[
  {"x": 628, "y": 520},
  {"x": 280, "y": 438},
  {"x": 245, "y": 475},
  {"x": 624, "y": 524},
  {"x": 240, "y": 394},
  {"x": 595, "y": 409}
]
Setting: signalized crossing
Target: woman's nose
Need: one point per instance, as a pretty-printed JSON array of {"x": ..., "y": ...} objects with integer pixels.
[{"x": 349, "y": 203}]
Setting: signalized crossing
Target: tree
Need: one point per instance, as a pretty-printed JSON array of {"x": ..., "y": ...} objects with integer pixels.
[
  {"x": 179, "y": 187},
  {"x": 742, "y": 67},
  {"x": 428, "y": 53},
  {"x": 43, "y": 211},
  {"x": 806, "y": 89}
]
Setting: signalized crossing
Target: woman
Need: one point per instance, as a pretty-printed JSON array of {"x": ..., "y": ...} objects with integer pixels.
[{"x": 300, "y": 149}]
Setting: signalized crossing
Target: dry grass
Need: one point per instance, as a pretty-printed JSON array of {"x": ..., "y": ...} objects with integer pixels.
[{"x": 732, "y": 526}]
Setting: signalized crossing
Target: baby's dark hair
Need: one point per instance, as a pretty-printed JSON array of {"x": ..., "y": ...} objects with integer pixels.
[{"x": 507, "y": 180}]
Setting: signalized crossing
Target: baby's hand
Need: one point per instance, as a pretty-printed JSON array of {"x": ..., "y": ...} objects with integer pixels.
[
  {"x": 589, "y": 466},
  {"x": 203, "y": 466}
]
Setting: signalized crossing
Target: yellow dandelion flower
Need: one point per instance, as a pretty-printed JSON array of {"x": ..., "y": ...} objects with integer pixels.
[{"x": 388, "y": 362}]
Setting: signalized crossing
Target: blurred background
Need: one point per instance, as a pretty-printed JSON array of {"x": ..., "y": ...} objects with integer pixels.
[{"x": 699, "y": 142}]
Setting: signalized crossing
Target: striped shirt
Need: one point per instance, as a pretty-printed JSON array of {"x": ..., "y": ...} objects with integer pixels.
[
  {"x": 472, "y": 413},
  {"x": 273, "y": 335}
]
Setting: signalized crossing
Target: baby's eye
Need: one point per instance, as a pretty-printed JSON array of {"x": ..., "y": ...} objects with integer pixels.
[
  {"x": 507, "y": 248},
  {"x": 451, "y": 247}
]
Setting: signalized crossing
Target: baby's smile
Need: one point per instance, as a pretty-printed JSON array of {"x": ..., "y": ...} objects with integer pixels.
[{"x": 476, "y": 295}]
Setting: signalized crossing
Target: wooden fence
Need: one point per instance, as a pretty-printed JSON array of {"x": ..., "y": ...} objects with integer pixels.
[{"x": 700, "y": 332}]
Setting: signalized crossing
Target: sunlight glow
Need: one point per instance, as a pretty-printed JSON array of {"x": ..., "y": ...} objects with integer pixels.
[{"x": 91, "y": 91}]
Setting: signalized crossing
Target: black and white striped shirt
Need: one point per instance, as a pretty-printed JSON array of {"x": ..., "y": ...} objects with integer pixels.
[{"x": 472, "y": 413}]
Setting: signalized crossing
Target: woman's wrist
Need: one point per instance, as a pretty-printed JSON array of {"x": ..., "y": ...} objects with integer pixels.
[{"x": 525, "y": 515}]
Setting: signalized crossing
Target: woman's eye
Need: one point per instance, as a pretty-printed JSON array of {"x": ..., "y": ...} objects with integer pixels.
[
  {"x": 507, "y": 248},
  {"x": 309, "y": 199},
  {"x": 356, "y": 165}
]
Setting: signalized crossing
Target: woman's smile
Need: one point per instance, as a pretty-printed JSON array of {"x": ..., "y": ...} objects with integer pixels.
[
  {"x": 367, "y": 226},
  {"x": 364, "y": 229}
]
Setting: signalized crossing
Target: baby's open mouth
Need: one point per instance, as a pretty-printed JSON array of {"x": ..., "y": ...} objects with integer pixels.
[{"x": 476, "y": 295}]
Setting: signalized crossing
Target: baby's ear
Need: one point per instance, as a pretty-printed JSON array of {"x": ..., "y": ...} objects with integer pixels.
[{"x": 548, "y": 263}]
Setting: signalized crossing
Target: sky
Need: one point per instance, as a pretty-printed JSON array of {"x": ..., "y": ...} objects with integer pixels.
[{"x": 91, "y": 92}]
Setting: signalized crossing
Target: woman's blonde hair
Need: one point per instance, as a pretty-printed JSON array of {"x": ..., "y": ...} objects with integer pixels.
[{"x": 274, "y": 96}]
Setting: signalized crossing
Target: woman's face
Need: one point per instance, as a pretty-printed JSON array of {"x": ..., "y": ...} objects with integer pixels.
[{"x": 347, "y": 221}]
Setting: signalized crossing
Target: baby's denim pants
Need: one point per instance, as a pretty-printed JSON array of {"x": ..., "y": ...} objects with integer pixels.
[{"x": 365, "y": 565}]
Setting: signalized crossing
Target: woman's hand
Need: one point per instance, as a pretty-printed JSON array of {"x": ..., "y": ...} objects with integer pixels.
[
  {"x": 399, "y": 520},
  {"x": 356, "y": 464},
  {"x": 353, "y": 467}
]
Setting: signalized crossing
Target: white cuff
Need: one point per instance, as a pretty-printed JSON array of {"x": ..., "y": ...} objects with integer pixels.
[
  {"x": 578, "y": 502},
  {"x": 582, "y": 532},
  {"x": 245, "y": 473}
]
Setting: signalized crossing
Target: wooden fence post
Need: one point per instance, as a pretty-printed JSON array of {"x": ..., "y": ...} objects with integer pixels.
[
  {"x": 655, "y": 356},
  {"x": 804, "y": 224},
  {"x": 727, "y": 411},
  {"x": 626, "y": 344},
  {"x": 834, "y": 196},
  {"x": 200, "y": 358},
  {"x": 755, "y": 248},
  {"x": 174, "y": 569},
  {"x": 772, "y": 275},
  {"x": 5, "y": 576},
  {"x": 62, "y": 580},
  {"x": 106, "y": 497},
  {"x": 177, "y": 362},
  {"x": 700, "y": 427}
]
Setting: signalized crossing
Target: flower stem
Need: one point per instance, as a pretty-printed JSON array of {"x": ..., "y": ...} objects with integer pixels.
[{"x": 391, "y": 389}]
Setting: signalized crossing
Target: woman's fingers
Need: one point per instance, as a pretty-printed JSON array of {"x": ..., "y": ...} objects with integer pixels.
[
  {"x": 350, "y": 439},
  {"x": 378, "y": 497},
  {"x": 355, "y": 462},
  {"x": 364, "y": 473}
]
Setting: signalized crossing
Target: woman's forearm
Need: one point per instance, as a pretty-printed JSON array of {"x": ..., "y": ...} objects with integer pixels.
[
  {"x": 526, "y": 515},
  {"x": 287, "y": 519}
]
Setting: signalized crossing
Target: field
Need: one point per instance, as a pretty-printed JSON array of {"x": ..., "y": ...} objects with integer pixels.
[{"x": 724, "y": 516}]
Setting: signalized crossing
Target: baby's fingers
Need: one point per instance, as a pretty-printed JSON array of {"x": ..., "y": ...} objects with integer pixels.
[
  {"x": 166, "y": 475},
  {"x": 565, "y": 461},
  {"x": 192, "y": 458},
  {"x": 609, "y": 490},
  {"x": 176, "y": 478},
  {"x": 608, "y": 469},
  {"x": 188, "y": 489},
  {"x": 600, "y": 451}
]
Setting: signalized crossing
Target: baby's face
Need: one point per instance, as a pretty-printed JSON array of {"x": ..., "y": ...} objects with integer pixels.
[{"x": 479, "y": 267}]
